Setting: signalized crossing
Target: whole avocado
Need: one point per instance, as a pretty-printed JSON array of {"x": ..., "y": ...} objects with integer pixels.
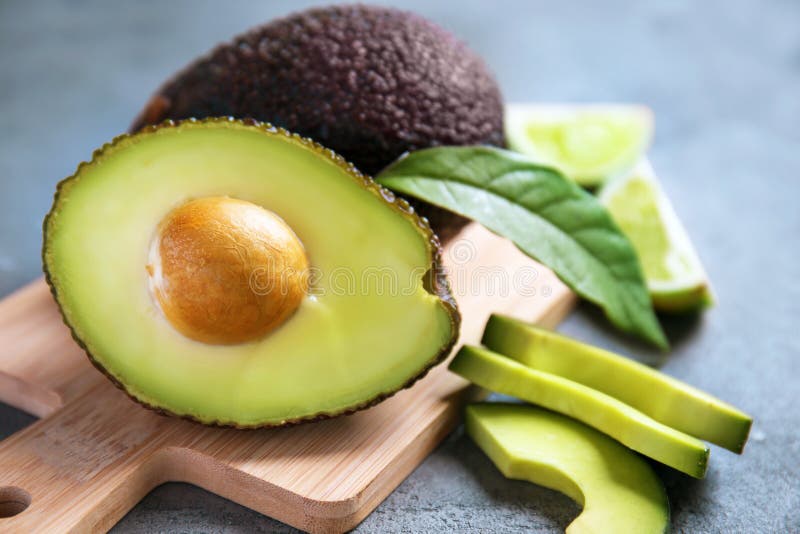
[{"x": 368, "y": 82}]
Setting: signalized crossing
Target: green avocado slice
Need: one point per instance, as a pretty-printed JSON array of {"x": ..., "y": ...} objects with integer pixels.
[
  {"x": 607, "y": 414},
  {"x": 618, "y": 490},
  {"x": 377, "y": 315},
  {"x": 665, "y": 399}
]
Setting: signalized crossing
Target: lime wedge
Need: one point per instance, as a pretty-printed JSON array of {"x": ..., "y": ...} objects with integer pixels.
[
  {"x": 675, "y": 276},
  {"x": 590, "y": 144}
]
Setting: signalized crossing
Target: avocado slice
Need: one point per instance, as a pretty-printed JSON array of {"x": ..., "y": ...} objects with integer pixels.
[
  {"x": 607, "y": 414},
  {"x": 618, "y": 490},
  {"x": 665, "y": 399},
  {"x": 236, "y": 274}
]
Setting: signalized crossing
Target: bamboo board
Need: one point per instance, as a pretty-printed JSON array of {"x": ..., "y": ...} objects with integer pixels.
[{"x": 93, "y": 454}]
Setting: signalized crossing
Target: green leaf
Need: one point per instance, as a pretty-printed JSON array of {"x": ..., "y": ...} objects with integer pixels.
[{"x": 547, "y": 216}]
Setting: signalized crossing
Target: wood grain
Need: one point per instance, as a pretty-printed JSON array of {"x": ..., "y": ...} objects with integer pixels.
[{"x": 94, "y": 453}]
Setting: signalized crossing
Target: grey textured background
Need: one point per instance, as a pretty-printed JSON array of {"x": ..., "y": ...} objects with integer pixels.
[{"x": 724, "y": 81}]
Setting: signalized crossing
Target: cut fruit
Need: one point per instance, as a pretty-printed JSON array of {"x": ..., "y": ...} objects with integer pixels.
[
  {"x": 607, "y": 414},
  {"x": 618, "y": 490},
  {"x": 675, "y": 276},
  {"x": 590, "y": 144},
  {"x": 665, "y": 399},
  {"x": 236, "y": 274}
]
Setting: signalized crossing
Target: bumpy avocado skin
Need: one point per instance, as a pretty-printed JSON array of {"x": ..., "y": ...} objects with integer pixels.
[
  {"x": 435, "y": 281},
  {"x": 368, "y": 82}
]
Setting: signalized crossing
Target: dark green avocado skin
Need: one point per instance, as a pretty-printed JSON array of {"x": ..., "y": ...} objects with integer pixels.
[{"x": 368, "y": 82}]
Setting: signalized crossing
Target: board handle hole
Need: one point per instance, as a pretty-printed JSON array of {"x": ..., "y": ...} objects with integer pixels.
[{"x": 13, "y": 501}]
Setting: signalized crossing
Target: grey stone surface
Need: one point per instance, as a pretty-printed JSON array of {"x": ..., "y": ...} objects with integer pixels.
[{"x": 724, "y": 81}]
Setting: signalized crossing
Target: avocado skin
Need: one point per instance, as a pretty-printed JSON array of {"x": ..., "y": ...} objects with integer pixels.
[
  {"x": 369, "y": 82},
  {"x": 435, "y": 280}
]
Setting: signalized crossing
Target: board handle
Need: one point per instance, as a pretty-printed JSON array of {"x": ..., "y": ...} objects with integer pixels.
[{"x": 83, "y": 467}]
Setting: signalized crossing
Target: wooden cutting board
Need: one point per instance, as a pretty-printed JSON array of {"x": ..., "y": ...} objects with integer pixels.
[{"x": 94, "y": 453}]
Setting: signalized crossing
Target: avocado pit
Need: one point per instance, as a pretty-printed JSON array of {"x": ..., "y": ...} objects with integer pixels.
[{"x": 226, "y": 271}]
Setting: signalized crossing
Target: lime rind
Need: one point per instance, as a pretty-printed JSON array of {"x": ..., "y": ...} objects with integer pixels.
[
  {"x": 590, "y": 143},
  {"x": 676, "y": 280}
]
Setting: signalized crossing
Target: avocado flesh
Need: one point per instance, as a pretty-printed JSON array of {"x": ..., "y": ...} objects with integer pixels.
[
  {"x": 665, "y": 399},
  {"x": 618, "y": 490},
  {"x": 598, "y": 410},
  {"x": 348, "y": 344}
]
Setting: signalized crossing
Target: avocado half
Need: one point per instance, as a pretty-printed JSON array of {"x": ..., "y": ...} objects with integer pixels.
[
  {"x": 369, "y": 82},
  {"x": 236, "y": 274}
]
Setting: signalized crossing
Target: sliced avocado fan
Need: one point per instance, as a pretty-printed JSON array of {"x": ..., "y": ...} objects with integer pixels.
[
  {"x": 236, "y": 274},
  {"x": 657, "y": 395},
  {"x": 618, "y": 490},
  {"x": 605, "y": 413}
]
